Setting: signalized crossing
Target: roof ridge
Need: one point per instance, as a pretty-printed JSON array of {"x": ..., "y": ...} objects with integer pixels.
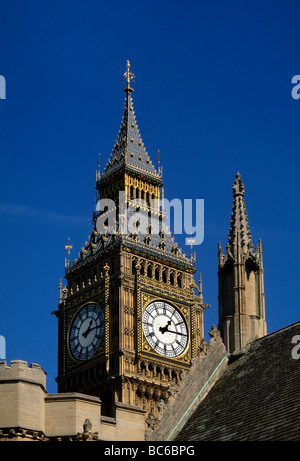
[{"x": 277, "y": 331}]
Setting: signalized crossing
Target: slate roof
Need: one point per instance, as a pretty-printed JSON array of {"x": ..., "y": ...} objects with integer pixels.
[
  {"x": 256, "y": 399},
  {"x": 159, "y": 246},
  {"x": 129, "y": 151}
]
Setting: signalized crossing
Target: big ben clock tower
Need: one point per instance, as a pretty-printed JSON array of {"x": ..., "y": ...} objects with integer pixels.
[{"x": 129, "y": 318}]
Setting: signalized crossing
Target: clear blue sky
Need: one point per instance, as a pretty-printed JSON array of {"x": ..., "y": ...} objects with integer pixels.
[{"x": 212, "y": 92}]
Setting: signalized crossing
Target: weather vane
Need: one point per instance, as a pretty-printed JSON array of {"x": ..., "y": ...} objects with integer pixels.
[{"x": 128, "y": 75}]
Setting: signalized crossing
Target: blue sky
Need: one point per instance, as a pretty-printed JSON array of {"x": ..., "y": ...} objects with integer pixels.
[{"x": 212, "y": 93}]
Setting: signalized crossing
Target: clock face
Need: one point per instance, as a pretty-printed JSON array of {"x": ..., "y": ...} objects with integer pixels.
[
  {"x": 86, "y": 332},
  {"x": 165, "y": 329}
]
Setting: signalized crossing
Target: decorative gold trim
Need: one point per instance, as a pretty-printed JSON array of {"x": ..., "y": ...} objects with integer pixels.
[
  {"x": 70, "y": 317},
  {"x": 106, "y": 315},
  {"x": 139, "y": 311},
  {"x": 186, "y": 312}
]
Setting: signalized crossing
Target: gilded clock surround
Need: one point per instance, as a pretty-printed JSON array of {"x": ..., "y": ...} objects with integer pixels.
[
  {"x": 86, "y": 331},
  {"x": 147, "y": 346}
]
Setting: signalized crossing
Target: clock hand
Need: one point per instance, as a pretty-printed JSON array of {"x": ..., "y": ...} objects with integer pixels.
[
  {"x": 176, "y": 332},
  {"x": 87, "y": 330},
  {"x": 164, "y": 329},
  {"x": 85, "y": 333},
  {"x": 90, "y": 329}
]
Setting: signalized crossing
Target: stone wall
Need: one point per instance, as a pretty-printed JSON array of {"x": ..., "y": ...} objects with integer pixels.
[{"x": 28, "y": 413}]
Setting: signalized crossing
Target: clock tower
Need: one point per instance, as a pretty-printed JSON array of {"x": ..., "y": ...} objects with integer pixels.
[{"x": 129, "y": 318}]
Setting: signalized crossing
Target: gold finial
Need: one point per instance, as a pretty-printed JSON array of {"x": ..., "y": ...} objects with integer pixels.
[
  {"x": 68, "y": 247},
  {"x": 128, "y": 75},
  {"x": 158, "y": 158}
]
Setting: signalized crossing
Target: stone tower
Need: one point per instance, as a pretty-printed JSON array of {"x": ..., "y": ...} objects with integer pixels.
[
  {"x": 241, "y": 283},
  {"x": 130, "y": 320}
]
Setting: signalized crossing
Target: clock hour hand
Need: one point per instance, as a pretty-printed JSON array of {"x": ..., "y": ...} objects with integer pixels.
[{"x": 165, "y": 328}]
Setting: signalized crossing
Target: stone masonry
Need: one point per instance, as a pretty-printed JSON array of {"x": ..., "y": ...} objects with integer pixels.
[{"x": 27, "y": 412}]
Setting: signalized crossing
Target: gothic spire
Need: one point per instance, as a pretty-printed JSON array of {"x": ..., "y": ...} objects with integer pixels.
[
  {"x": 129, "y": 151},
  {"x": 239, "y": 231},
  {"x": 241, "y": 286}
]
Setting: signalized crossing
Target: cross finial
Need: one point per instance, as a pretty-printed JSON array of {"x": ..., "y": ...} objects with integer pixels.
[{"x": 128, "y": 75}]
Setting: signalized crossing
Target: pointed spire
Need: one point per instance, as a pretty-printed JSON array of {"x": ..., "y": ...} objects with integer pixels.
[
  {"x": 239, "y": 231},
  {"x": 129, "y": 150}
]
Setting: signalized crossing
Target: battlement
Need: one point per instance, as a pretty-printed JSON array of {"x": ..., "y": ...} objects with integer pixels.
[
  {"x": 28, "y": 412},
  {"x": 19, "y": 371}
]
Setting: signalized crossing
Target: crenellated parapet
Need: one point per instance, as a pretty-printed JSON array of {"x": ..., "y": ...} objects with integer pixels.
[
  {"x": 28, "y": 413},
  {"x": 22, "y": 395}
]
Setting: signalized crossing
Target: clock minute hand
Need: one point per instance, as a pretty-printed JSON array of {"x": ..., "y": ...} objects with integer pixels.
[
  {"x": 176, "y": 332},
  {"x": 91, "y": 329}
]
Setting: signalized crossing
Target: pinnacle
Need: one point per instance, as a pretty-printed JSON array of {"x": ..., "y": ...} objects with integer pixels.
[
  {"x": 239, "y": 231},
  {"x": 238, "y": 186}
]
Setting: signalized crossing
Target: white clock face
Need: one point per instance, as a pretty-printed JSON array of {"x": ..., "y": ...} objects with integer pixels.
[
  {"x": 165, "y": 329},
  {"x": 86, "y": 332}
]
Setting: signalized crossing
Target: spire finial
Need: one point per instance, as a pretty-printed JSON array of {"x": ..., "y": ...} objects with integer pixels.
[
  {"x": 158, "y": 161},
  {"x": 98, "y": 170},
  {"x": 238, "y": 186},
  {"x": 128, "y": 75},
  {"x": 68, "y": 247},
  {"x": 239, "y": 232}
]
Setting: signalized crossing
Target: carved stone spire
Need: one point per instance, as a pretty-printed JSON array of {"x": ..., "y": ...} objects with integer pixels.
[{"x": 239, "y": 231}]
